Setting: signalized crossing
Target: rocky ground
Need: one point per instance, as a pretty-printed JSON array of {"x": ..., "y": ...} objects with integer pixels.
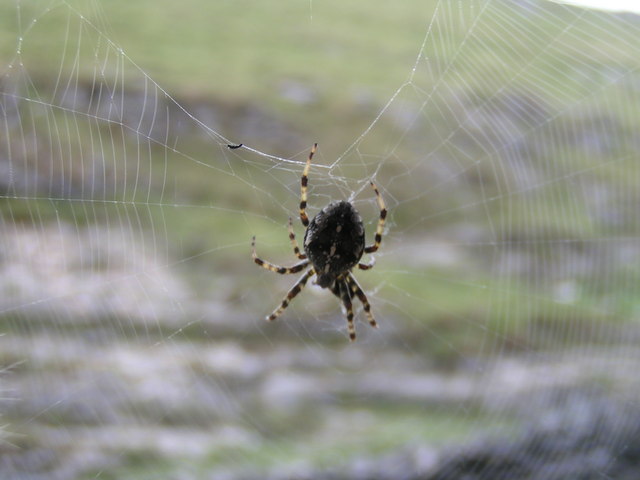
[{"x": 104, "y": 368}]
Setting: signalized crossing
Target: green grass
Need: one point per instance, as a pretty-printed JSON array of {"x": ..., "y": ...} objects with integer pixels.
[
  {"x": 350, "y": 58},
  {"x": 229, "y": 49}
]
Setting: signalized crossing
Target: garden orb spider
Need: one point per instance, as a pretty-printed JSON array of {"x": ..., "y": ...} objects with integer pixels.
[{"x": 333, "y": 245}]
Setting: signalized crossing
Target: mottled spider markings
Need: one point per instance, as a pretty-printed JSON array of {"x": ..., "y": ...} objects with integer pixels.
[{"x": 333, "y": 245}]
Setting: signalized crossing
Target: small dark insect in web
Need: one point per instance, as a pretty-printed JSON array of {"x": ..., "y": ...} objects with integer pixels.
[
  {"x": 233, "y": 147},
  {"x": 333, "y": 245}
]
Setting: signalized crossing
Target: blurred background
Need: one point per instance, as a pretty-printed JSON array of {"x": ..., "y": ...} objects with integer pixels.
[{"x": 504, "y": 139}]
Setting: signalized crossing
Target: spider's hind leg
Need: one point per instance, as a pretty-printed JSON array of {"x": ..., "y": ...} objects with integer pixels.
[
  {"x": 294, "y": 243},
  {"x": 273, "y": 267},
  {"x": 367, "y": 266},
  {"x": 303, "y": 187},
  {"x": 357, "y": 290},
  {"x": 380, "y": 228}
]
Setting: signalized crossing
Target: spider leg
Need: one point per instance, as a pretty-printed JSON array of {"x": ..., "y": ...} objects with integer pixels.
[
  {"x": 357, "y": 290},
  {"x": 380, "y": 228},
  {"x": 342, "y": 290},
  {"x": 294, "y": 243},
  {"x": 275, "y": 268},
  {"x": 367, "y": 266},
  {"x": 291, "y": 294},
  {"x": 303, "y": 187}
]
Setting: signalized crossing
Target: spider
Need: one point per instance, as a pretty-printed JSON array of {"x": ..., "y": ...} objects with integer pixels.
[{"x": 333, "y": 245}]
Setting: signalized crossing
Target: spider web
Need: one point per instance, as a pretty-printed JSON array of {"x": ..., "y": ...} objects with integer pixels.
[{"x": 503, "y": 138}]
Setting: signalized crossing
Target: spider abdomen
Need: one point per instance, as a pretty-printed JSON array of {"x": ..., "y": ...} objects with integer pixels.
[{"x": 334, "y": 241}]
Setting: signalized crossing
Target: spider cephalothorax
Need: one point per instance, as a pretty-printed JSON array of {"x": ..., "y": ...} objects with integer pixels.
[{"x": 333, "y": 245}]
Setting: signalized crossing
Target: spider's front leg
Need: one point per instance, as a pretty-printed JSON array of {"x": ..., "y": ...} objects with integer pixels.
[
  {"x": 291, "y": 294},
  {"x": 357, "y": 290},
  {"x": 341, "y": 290}
]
